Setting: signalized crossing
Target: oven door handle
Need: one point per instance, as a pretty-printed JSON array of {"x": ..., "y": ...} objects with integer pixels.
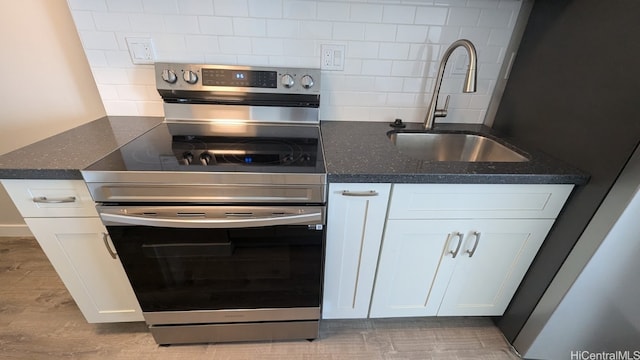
[{"x": 284, "y": 219}]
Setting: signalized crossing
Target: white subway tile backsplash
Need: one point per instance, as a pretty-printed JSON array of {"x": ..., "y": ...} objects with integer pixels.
[
  {"x": 96, "y": 58},
  {"x": 392, "y": 48},
  {"x": 231, "y": 7},
  {"x": 204, "y": 43},
  {"x": 335, "y": 11},
  {"x": 463, "y": 17},
  {"x": 265, "y": 8},
  {"x": 402, "y": 99},
  {"x": 299, "y": 9},
  {"x": 117, "y": 58},
  {"x": 431, "y": 15},
  {"x": 142, "y": 75},
  {"x": 235, "y": 45},
  {"x": 147, "y": 23},
  {"x": 497, "y": 18},
  {"x": 108, "y": 92},
  {"x": 125, "y": 6},
  {"x": 83, "y": 20},
  {"x": 348, "y": 31},
  {"x": 397, "y": 14},
  {"x": 215, "y": 25},
  {"x": 120, "y": 107},
  {"x": 249, "y": 27},
  {"x": 477, "y": 35},
  {"x": 283, "y": 28},
  {"x": 110, "y": 76},
  {"x": 388, "y": 84},
  {"x": 370, "y": 13},
  {"x": 408, "y": 68},
  {"x": 499, "y": 37},
  {"x": 99, "y": 40},
  {"x": 181, "y": 24},
  {"x": 412, "y": 33},
  {"x": 92, "y": 5},
  {"x": 363, "y": 49},
  {"x": 195, "y": 7},
  {"x": 315, "y": 30},
  {"x": 376, "y": 67},
  {"x": 380, "y": 32},
  {"x": 111, "y": 22},
  {"x": 394, "y": 51},
  {"x": 266, "y": 46},
  {"x": 487, "y": 4}
]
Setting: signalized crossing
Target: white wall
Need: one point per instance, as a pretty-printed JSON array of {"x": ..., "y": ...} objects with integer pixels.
[
  {"x": 392, "y": 48},
  {"x": 47, "y": 85}
]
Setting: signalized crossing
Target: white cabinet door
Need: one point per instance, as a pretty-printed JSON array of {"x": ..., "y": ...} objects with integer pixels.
[
  {"x": 484, "y": 283},
  {"x": 96, "y": 280},
  {"x": 355, "y": 221},
  {"x": 411, "y": 256},
  {"x": 430, "y": 267}
]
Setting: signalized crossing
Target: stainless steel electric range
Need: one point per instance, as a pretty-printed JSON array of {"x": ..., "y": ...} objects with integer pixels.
[{"x": 218, "y": 213}]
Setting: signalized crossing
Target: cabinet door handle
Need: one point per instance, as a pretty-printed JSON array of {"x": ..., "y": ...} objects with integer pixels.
[
  {"x": 359, "y": 193},
  {"x": 46, "y": 200},
  {"x": 105, "y": 238},
  {"x": 476, "y": 234},
  {"x": 460, "y": 236}
]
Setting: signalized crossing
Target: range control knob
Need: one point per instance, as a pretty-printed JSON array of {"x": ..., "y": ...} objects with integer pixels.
[
  {"x": 306, "y": 81},
  {"x": 169, "y": 76},
  {"x": 190, "y": 77},
  {"x": 205, "y": 158},
  {"x": 287, "y": 81},
  {"x": 187, "y": 158}
]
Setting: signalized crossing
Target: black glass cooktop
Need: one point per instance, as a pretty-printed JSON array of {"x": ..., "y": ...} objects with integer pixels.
[{"x": 220, "y": 147}]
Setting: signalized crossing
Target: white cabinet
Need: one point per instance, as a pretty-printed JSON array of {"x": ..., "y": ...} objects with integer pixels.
[
  {"x": 80, "y": 252},
  {"x": 63, "y": 218},
  {"x": 355, "y": 222},
  {"x": 454, "y": 267},
  {"x": 460, "y": 249}
]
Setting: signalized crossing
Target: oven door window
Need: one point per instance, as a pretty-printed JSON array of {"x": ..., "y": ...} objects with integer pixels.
[{"x": 176, "y": 269}]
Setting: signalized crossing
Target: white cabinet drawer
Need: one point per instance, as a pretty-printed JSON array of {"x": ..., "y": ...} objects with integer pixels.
[
  {"x": 462, "y": 201},
  {"x": 50, "y": 198}
]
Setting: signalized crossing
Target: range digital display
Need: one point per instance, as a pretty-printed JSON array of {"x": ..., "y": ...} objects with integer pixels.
[{"x": 241, "y": 78}]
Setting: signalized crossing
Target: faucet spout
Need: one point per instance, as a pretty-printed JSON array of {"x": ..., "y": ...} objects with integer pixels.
[{"x": 469, "y": 82}]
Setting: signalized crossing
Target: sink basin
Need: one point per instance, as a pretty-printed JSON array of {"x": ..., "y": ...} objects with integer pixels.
[{"x": 453, "y": 146}]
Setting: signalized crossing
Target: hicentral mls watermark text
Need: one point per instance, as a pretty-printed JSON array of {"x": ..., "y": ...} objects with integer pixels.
[{"x": 605, "y": 355}]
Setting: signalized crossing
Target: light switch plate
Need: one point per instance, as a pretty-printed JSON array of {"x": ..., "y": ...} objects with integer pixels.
[{"x": 141, "y": 50}]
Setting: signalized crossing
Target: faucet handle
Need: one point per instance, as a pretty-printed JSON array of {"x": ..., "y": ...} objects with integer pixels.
[{"x": 443, "y": 112}]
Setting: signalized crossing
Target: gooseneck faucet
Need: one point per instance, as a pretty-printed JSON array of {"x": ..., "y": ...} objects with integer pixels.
[{"x": 469, "y": 82}]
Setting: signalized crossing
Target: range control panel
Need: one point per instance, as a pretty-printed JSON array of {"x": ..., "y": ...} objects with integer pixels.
[{"x": 176, "y": 76}]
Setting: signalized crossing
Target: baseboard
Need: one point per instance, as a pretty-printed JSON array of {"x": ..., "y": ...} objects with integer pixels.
[{"x": 14, "y": 230}]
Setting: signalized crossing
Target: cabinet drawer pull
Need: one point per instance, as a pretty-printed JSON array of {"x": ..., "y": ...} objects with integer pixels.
[
  {"x": 475, "y": 244},
  {"x": 105, "y": 238},
  {"x": 454, "y": 253},
  {"x": 46, "y": 200},
  {"x": 359, "y": 193}
]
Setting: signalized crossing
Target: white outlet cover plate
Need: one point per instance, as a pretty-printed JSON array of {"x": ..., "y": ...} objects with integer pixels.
[
  {"x": 332, "y": 56},
  {"x": 141, "y": 50}
]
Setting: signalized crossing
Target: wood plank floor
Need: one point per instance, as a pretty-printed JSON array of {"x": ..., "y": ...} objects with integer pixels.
[{"x": 39, "y": 320}]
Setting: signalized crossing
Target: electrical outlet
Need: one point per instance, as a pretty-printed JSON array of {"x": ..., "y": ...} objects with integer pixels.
[
  {"x": 141, "y": 50},
  {"x": 332, "y": 57}
]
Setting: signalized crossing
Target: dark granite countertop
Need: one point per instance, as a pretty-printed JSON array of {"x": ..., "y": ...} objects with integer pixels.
[
  {"x": 354, "y": 152},
  {"x": 362, "y": 152},
  {"x": 62, "y": 156}
]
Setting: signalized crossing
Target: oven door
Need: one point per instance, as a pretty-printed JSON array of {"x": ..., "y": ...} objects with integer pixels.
[{"x": 209, "y": 264}]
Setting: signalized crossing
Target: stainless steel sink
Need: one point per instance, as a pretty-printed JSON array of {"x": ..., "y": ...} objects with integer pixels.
[{"x": 453, "y": 146}]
